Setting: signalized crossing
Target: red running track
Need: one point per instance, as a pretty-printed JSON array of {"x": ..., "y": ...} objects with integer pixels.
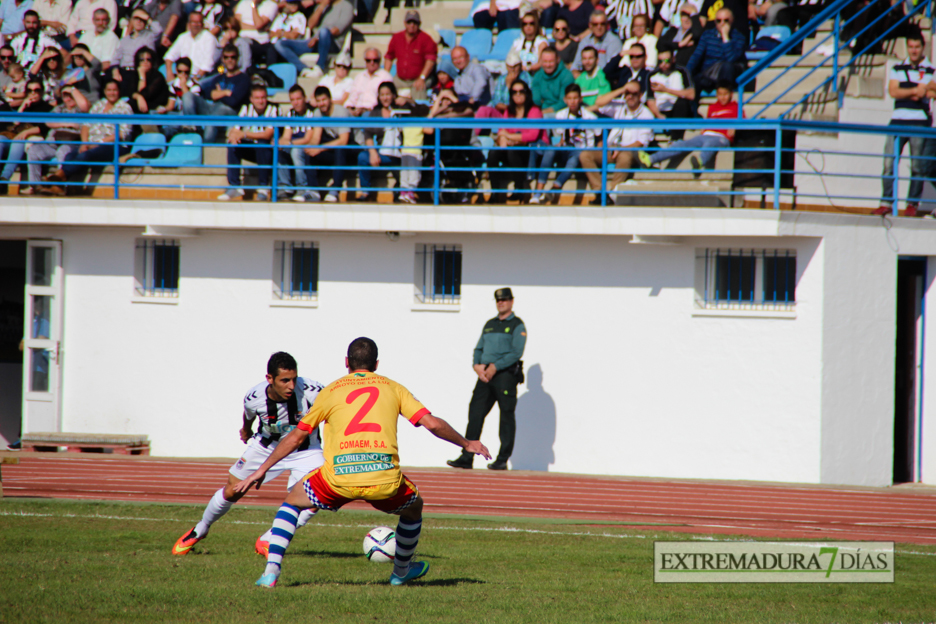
[{"x": 905, "y": 514}]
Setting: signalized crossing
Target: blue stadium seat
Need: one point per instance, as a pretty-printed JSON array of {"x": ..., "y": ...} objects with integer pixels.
[
  {"x": 505, "y": 39},
  {"x": 149, "y": 142},
  {"x": 184, "y": 150},
  {"x": 477, "y": 42},
  {"x": 779, "y": 33},
  {"x": 448, "y": 37},
  {"x": 467, "y": 22},
  {"x": 287, "y": 73}
]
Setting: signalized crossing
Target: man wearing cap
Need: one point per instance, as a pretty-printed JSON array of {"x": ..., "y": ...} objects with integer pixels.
[
  {"x": 499, "y": 369},
  {"x": 415, "y": 54}
]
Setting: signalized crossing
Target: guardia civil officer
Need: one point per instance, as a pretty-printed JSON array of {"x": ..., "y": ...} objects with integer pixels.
[{"x": 499, "y": 368}]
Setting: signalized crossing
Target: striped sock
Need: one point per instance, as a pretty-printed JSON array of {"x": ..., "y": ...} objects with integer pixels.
[
  {"x": 284, "y": 526},
  {"x": 407, "y": 536}
]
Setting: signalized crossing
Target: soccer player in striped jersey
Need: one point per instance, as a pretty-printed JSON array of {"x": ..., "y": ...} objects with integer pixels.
[
  {"x": 277, "y": 403},
  {"x": 359, "y": 412}
]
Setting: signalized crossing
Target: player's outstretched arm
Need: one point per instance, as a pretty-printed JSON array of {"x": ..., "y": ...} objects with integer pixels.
[
  {"x": 442, "y": 430},
  {"x": 286, "y": 446}
]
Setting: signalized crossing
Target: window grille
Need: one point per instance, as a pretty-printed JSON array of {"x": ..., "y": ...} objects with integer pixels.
[
  {"x": 295, "y": 270},
  {"x": 157, "y": 268},
  {"x": 747, "y": 279},
  {"x": 438, "y": 273}
]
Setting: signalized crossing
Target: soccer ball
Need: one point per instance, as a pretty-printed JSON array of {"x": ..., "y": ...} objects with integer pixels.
[{"x": 380, "y": 544}]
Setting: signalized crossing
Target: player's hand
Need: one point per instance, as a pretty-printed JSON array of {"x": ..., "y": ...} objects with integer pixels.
[
  {"x": 248, "y": 483},
  {"x": 245, "y": 434},
  {"x": 475, "y": 447}
]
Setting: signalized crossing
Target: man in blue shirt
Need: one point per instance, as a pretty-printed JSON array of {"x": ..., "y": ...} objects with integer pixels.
[
  {"x": 222, "y": 95},
  {"x": 11, "y": 16}
]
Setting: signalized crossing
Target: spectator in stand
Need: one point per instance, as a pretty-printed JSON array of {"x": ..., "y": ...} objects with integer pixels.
[
  {"x": 600, "y": 37},
  {"x": 292, "y": 158},
  {"x": 571, "y": 137},
  {"x": 138, "y": 34},
  {"x": 640, "y": 29},
  {"x": 82, "y": 17},
  {"x": 12, "y": 152},
  {"x": 682, "y": 40},
  {"x": 168, "y": 14},
  {"x": 29, "y": 44},
  {"x": 673, "y": 94},
  {"x": 338, "y": 82},
  {"x": 626, "y": 142},
  {"x": 363, "y": 95},
  {"x": 15, "y": 91},
  {"x": 500, "y": 99},
  {"x": 7, "y": 58},
  {"x": 125, "y": 10},
  {"x": 773, "y": 13},
  {"x": 577, "y": 14},
  {"x": 54, "y": 16},
  {"x": 83, "y": 74},
  {"x": 148, "y": 89},
  {"x": 911, "y": 83},
  {"x": 250, "y": 143},
  {"x": 331, "y": 22},
  {"x": 667, "y": 15},
  {"x": 546, "y": 10},
  {"x": 591, "y": 80},
  {"x": 719, "y": 55},
  {"x": 472, "y": 80},
  {"x": 182, "y": 83},
  {"x": 503, "y": 14},
  {"x": 327, "y": 145},
  {"x": 382, "y": 145},
  {"x": 622, "y": 13},
  {"x": 255, "y": 20},
  {"x": 629, "y": 65},
  {"x": 49, "y": 69},
  {"x": 550, "y": 82},
  {"x": 708, "y": 15},
  {"x": 221, "y": 95},
  {"x": 230, "y": 35},
  {"x": 60, "y": 141},
  {"x": 214, "y": 12},
  {"x": 102, "y": 42},
  {"x": 521, "y": 107},
  {"x": 196, "y": 44},
  {"x": 456, "y": 164},
  {"x": 415, "y": 54},
  {"x": 530, "y": 44},
  {"x": 288, "y": 25},
  {"x": 12, "y": 13},
  {"x": 566, "y": 46},
  {"x": 100, "y": 136},
  {"x": 708, "y": 142}
]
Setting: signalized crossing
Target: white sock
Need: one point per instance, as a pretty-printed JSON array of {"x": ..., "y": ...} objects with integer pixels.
[
  {"x": 305, "y": 516},
  {"x": 266, "y": 536},
  {"x": 217, "y": 507}
]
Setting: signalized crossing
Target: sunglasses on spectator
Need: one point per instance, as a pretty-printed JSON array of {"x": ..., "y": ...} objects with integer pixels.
[
  {"x": 562, "y": 28},
  {"x": 598, "y": 23},
  {"x": 6, "y": 57},
  {"x": 664, "y": 60},
  {"x": 148, "y": 59},
  {"x": 183, "y": 71},
  {"x": 528, "y": 23},
  {"x": 723, "y": 21},
  {"x": 229, "y": 56},
  {"x": 518, "y": 92},
  {"x": 629, "y": 92},
  {"x": 633, "y": 56},
  {"x": 34, "y": 90},
  {"x": 372, "y": 60}
]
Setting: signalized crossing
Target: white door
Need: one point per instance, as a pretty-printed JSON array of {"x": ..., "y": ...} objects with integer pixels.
[{"x": 43, "y": 335}]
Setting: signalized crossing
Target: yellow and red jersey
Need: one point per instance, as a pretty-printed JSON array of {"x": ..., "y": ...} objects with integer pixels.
[{"x": 358, "y": 414}]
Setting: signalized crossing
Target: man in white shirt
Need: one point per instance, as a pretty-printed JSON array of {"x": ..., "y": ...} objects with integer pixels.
[
  {"x": 82, "y": 17},
  {"x": 102, "y": 42},
  {"x": 628, "y": 140},
  {"x": 53, "y": 15},
  {"x": 197, "y": 44},
  {"x": 255, "y": 20}
]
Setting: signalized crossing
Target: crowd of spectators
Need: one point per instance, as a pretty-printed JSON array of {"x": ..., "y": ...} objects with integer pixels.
[{"x": 577, "y": 59}]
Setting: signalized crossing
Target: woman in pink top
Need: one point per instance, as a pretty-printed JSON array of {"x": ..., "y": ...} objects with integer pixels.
[{"x": 520, "y": 107}]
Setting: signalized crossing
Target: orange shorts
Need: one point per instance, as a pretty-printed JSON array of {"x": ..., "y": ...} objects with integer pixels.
[{"x": 382, "y": 497}]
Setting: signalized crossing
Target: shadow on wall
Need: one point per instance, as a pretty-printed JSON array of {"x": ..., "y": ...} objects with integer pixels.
[{"x": 536, "y": 426}]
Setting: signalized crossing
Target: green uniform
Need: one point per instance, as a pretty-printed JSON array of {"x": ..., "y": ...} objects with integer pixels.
[{"x": 501, "y": 344}]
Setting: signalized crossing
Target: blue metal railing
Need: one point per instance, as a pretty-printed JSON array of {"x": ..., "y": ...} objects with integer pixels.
[{"x": 854, "y": 185}]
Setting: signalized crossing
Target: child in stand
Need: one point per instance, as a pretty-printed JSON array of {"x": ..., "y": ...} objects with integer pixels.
[{"x": 15, "y": 92}]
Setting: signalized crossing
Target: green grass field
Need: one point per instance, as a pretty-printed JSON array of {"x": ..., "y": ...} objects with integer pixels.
[{"x": 109, "y": 562}]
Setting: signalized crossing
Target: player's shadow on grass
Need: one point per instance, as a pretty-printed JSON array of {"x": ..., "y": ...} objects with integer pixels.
[
  {"x": 450, "y": 582},
  {"x": 536, "y": 425},
  {"x": 344, "y": 555}
]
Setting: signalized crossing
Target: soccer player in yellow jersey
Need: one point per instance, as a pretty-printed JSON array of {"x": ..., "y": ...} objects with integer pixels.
[{"x": 358, "y": 414}]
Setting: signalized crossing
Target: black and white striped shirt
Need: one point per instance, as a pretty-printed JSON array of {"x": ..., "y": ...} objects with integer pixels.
[{"x": 248, "y": 111}]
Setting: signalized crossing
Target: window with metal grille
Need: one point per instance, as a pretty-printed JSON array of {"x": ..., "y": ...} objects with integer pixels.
[
  {"x": 753, "y": 279},
  {"x": 157, "y": 268},
  {"x": 437, "y": 276},
  {"x": 295, "y": 270}
]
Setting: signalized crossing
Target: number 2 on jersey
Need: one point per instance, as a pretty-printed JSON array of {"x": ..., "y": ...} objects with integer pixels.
[{"x": 356, "y": 425}]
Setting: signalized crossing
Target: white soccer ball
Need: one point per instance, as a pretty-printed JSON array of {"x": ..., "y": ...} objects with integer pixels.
[{"x": 380, "y": 544}]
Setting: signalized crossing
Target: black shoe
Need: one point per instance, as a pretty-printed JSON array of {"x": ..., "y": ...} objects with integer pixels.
[
  {"x": 498, "y": 464},
  {"x": 16, "y": 446},
  {"x": 461, "y": 462}
]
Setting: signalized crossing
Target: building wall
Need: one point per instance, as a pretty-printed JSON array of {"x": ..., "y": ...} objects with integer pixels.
[{"x": 623, "y": 379}]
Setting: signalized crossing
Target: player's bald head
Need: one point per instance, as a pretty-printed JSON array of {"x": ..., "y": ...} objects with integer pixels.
[{"x": 362, "y": 354}]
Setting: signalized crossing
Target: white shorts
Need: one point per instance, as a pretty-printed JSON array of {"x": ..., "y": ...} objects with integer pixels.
[{"x": 298, "y": 463}]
